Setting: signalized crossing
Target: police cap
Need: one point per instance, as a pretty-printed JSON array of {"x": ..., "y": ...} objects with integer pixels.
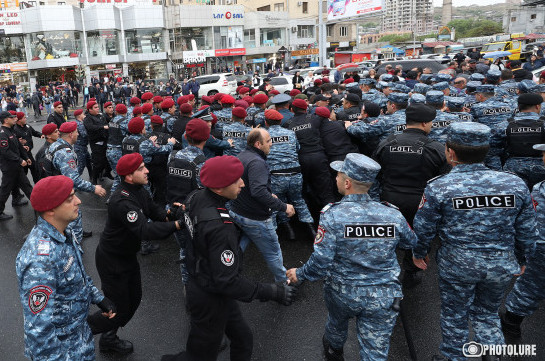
[
  {"x": 398, "y": 98},
  {"x": 417, "y": 99},
  {"x": 485, "y": 88},
  {"x": 280, "y": 98},
  {"x": 435, "y": 97},
  {"x": 469, "y": 134},
  {"x": 493, "y": 75},
  {"x": 421, "y": 88},
  {"x": 440, "y": 86},
  {"x": 358, "y": 167},
  {"x": 455, "y": 102}
]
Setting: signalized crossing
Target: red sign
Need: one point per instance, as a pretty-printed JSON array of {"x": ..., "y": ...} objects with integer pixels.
[{"x": 230, "y": 52}]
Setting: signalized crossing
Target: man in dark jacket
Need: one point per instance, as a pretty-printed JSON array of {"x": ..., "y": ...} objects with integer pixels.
[
  {"x": 57, "y": 116},
  {"x": 97, "y": 132}
]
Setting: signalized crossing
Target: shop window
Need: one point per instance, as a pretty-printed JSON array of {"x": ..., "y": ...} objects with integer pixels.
[
  {"x": 329, "y": 30},
  {"x": 249, "y": 38},
  {"x": 103, "y": 42},
  {"x": 151, "y": 70},
  {"x": 264, "y": 8},
  {"x": 144, "y": 41},
  {"x": 55, "y": 44},
  {"x": 513, "y": 18},
  {"x": 12, "y": 49},
  {"x": 343, "y": 31}
]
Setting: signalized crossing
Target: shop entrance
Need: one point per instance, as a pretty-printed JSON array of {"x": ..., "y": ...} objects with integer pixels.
[{"x": 55, "y": 74}]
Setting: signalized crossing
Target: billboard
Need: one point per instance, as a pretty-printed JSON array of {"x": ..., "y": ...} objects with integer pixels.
[{"x": 340, "y": 9}]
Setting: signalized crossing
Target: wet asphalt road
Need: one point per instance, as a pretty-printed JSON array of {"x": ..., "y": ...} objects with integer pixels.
[{"x": 160, "y": 326}]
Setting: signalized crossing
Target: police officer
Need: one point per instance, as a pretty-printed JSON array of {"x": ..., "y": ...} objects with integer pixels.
[
  {"x": 82, "y": 152},
  {"x": 476, "y": 266},
  {"x": 351, "y": 108},
  {"x": 436, "y": 99},
  {"x": 158, "y": 165},
  {"x": 281, "y": 103},
  {"x": 132, "y": 216},
  {"x": 133, "y": 103},
  {"x": 260, "y": 101},
  {"x": 225, "y": 114},
  {"x": 24, "y": 133},
  {"x": 237, "y": 131},
  {"x": 408, "y": 161},
  {"x": 108, "y": 114},
  {"x": 117, "y": 131},
  {"x": 529, "y": 289},
  {"x": 51, "y": 134},
  {"x": 57, "y": 116},
  {"x": 455, "y": 105},
  {"x": 55, "y": 290},
  {"x": 354, "y": 251},
  {"x": 178, "y": 128},
  {"x": 13, "y": 158},
  {"x": 147, "y": 112},
  {"x": 523, "y": 131},
  {"x": 169, "y": 108},
  {"x": 214, "y": 261},
  {"x": 97, "y": 131}
]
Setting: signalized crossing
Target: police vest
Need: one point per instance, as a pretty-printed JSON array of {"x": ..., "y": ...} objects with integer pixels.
[
  {"x": 46, "y": 163},
  {"x": 115, "y": 135},
  {"x": 250, "y": 119},
  {"x": 522, "y": 134},
  {"x": 131, "y": 145},
  {"x": 162, "y": 139},
  {"x": 182, "y": 177}
]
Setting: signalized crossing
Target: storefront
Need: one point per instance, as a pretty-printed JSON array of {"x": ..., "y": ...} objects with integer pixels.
[
  {"x": 13, "y": 73},
  {"x": 148, "y": 70}
]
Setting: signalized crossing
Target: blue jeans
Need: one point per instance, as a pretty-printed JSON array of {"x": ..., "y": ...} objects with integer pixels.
[
  {"x": 48, "y": 108},
  {"x": 85, "y": 98},
  {"x": 264, "y": 236}
]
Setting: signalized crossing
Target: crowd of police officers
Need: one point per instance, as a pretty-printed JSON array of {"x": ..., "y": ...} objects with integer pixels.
[{"x": 454, "y": 163}]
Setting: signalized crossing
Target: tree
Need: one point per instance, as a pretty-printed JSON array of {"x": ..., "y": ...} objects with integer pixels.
[
  {"x": 466, "y": 28},
  {"x": 394, "y": 38}
]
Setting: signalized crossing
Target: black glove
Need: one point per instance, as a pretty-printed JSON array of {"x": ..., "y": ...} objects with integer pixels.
[
  {"x": 106, "y": 305},
  {"x": 171, "y": 215},
  {"x": 283, "y": 294}
]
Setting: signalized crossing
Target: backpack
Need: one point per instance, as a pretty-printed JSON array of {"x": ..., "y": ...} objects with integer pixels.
[{"x": 47, "y": 167}]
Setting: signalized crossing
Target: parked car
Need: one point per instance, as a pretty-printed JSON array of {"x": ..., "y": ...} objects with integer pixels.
[
  {"x": 282, "y": 83},
  {"x": 434, "y": 65},
  {"x": 217, "y": 83}
]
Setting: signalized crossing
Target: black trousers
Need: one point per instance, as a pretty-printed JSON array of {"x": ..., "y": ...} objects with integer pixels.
[
  {"x": 13, "y": 177},
  {"x": 122, "y": 284},
  {"x": 212, "y": 316},
  {"x": 98, "y": 158},
  {"x": 315, "y": 171},
  {"x": 158, "y": 181}
]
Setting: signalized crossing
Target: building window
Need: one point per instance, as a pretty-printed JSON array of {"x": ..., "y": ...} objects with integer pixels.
[
  {"x": 249, "y": 38},
  {"x": 272, "y": 37},
  {"x": 305, "y": 31},
  {"x": 55, "y": 45},
  {"x": 61, "y": 3},
  {"x": 533, "y": 16},
  {"x": 329, "y": 30},
  {"x": 305, "y": 7},
  {"x": 264, "y": 8},
  {"x": 279, "y": 7},
  {"x": 343, "y": 31},
  {"x": 142, "y": 41},
  {"x": 513, "y": 18},
  {"x": 103, "y": 42},
  {"x": 228, "y": 37},
  {"x": 12, "y": 49},
  {"x": 42, "y": 2}
]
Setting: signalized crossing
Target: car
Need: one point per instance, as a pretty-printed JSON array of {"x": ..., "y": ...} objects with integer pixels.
[
  {"x": 282, "y": 83},
  {"x": 217, "y": 83},
  {"x": 434, "y": 65},
  {"x": 537, "y": 72}
]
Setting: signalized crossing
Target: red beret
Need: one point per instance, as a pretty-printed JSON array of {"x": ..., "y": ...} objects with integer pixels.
[
  {"x": 136, "y": 125},
  {"x": 128, "y": 163},
  {"x": 146, "y": 108},
  {"x": 157, "y": 99},
  {"x": 90, "y": 105},
  {"x": 243, "y": 90},
  {"x": 218, "y": 96},
  {"x": 273, "y": 115},
  {"x": 155, "y": 119},
  {"x": 207, "y": 99},
  {"x": 261, "y": 99},
  {"x": 48, "y": 129},
  {"x": 93, "y": 99},
  {"x": 294, "y": 92},
  {"x": 323, "y": 112},
  {"x": 253, "y": 91},
  {"x": 135, "y": 100},
  {"x": 182, "y": 99},
  {"x": 56, "y": 104},
  {"x": 68, "y": 127},
  {"x": 78, "y": 112},
  {"x": 220, "y": 172},
  {"x": 325, "y": 80},
  {"x": 50, "y": 192},
  {"x": 186, "y": 108},
  {"x": 274, "y": 92},
  {"x": 239, "y": 112},
  {"x": 121, "y": 109},
  {"x": 204, "y": 107},
  {"x": 241, "y": 103},
  {"x": 248, "y": 99},
  {"x": 167, "y": 104},
  {"x": 147, "y": 96},
  {"x": 237, "y": 90},
  {"x": 20, "y": 115},
  {"x": 227, "y": 99},
  {"x": 318, "y": 82},
  {"x": 197, "y": 129},
  {"x": 190, "y": 97},
  {"x": 12, "y": 112},
  {"x": 300, "y": 103},
  {"x": 214, "y": 118},
  {"x": 348, "y": 81},
  {"x": 542, "y": 75},
  {"x": 108, "y": 104},
  {"x": 136, "y": 110}
]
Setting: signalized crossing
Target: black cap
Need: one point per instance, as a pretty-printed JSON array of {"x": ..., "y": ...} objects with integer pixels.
[
  {"x": 420, "y": 113},
  {"x": 321, "y": 97},
  {"x": 472, "y": 61},
  {"x": 530, "y": 99},
  {"x": 352, "y": 98},
  {"x": 371, "y": 109},
  {"x": 5, "y": 114}
]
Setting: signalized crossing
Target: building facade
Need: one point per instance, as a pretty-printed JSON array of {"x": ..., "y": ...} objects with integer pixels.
[
  {"x": 408, "y": 15},
  {"x": 526, "y": 19}
]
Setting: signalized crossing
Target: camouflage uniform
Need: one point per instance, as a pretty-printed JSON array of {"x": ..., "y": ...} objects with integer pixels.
[
  {"x": 238, "y": 132},
  {"x": 81, "y": 150},
  {"x": 148, "y": 148},
  {"x": 287, "y": 115},
  {"x": 147, "y": 123},
  {"x": 56, "y": 293},
  {"x": 225, "y": 116},
  {"x": 442, "y": 120},
  {"x": 113, "y": 151},
  {"x": 168, "y": 121}
]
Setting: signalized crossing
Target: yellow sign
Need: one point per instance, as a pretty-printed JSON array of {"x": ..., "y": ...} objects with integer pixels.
[
  {"x": 13, "y": 67},
  {"x": 517, "y": 35},
  {"x": 305, "y": 52},
  {"x": 9, "y": 4}
]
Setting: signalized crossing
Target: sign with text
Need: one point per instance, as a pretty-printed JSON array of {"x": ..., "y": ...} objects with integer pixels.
[
  {"x": 339, "y": 9},
  {"x": 10, "y": 21},
  {"x": 197, "y": 56},
  {"x": 230, "y": 52},
  {"x": 305, "y": 52}
]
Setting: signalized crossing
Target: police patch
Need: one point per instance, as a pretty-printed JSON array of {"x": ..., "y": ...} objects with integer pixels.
[
  {"x": 43, "y": 248},
  {"x": 132, "y": 216},
  {"x": 227, "y": 258},
  {"x": 422, "y": 201},
  {"x": 386, "y": 231},
  {"x": 3, "y": 143},
  {"x": 484, "y": 201},
  {"x": 38, "y": 297},
  {"x": 72, "y": 164},
  {"x": 320, "y": 233}
]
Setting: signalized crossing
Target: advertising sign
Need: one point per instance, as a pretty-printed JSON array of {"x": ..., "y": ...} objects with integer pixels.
[
  {"x": 197, "y": 56},
  {"x": 339, "y": 9},
  {"x": 230, "y": 52},
  {"x": 10, "y": 21}
]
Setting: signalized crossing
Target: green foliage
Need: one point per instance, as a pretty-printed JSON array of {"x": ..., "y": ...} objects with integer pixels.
[
  {"x": 394, "y": 38},
  {"x": 466, "y": 28}
]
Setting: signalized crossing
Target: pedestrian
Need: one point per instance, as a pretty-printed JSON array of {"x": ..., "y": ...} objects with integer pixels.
[
  {"x": 195, "y": 86},
  {"x": 487, "y": 226},
  {"x": 354, "y": 252},
  {"x": 97, "y": 131},
  {"x": 213, "y": 290}
]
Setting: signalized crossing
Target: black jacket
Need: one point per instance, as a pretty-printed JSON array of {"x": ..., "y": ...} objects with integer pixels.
[
  {"x": 56, "y": 118},
  {"x": 94, "y": 124},
  {"x": 12, "y": 152},
  {"x": 26, "y": 132},
  {"x": 335, "y": 139}
]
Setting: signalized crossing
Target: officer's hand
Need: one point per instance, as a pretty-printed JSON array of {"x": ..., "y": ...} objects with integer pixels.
[
  {"x": 283, "y": 294},
  {"x": 347, "y": 124},
  {"x": 23, "y": 163},
  {"x": 99, "y": 191},
  {"x": 108, "y": 308},
  {"x": 292, "y": 276},
  {"x": 420, "y": 263},
  {"x": 290, "y": 211},
  {"x": 171, "y": 140},
  {"x": 28, "y": 161},
  {"x": 106, "y": 127},
  {"x": 522, "y": 270},
  {"x": 231, "y": 142},
  {"x": 27, "y": 149}
]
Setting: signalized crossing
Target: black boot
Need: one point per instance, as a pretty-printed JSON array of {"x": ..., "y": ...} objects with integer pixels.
[
  {"x": 510, "y": 325},
  {"x": 330, "y": 353},
  {"x": 312, "y": 229},
  {"x": 110, "y": 342},
  {"x": 108, "y": 175},
  {"x": 19, "y": 202}
]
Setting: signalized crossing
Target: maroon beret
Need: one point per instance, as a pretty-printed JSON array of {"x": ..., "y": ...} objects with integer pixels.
[
  {"x": 318, "y": 82},
  {"x": 128, "y": 163},
  {"x": 167, "y": 104},
  {"x": 348, "y": 81},
  {"x": 300, "y": 103},
  {"x": 146, "y": 108},
  {"x": 204, "y": 107},
  {"x": 93, "y": 99},
  {"x": 20, "y": 115},
  {"x": 50, "y": 192},
  {"x": 207, "y": 99},
  {"x": 239, "y": 112},
  {"x": 243, "y": 90},
  {"x": 241, "y": 103},
  {"x": 12, "y": 112},
  {"x": 68, "y": 127},
  {"x": 197, "y": 129},
  {"x": 253, "y": 91},
  {"x": 155, "y": 119},
  {"x": 108, "y": 104},
  {"x": 183, "y": 99},
  {"x": 190, "y": 97},
  {"x": 136, "y": 110},
  {"x": 323, "y": 112},
  {"x": 90, "y": 105},
  {"x": 325, "y": 80},
  {"x": 214, "y": 118},
  {"x": 121, "y": 109},
  {"x": 135, "y": 100},
  {"x": 238, "y": 88},
  {"x": 186, "y": 108},
  {"x": 78, "y": 112},
  {"x": 274, "y": 92},
  {"x": 147, "y": 96},
  {"x": 294, "y": 92},
  {"x": 220, "y": 172},
  {"x": 248, "y": 99},
  {"x": 273, "y": 115},
  {"x": 227, "y": 99},
  {"x": 218, "y": 96},
  {"x": 261, "y": 99},
  {"x": 136, "y": 125},
  {"x": 56, "y": 104},
  {"x": 48, "y": 129},
  {"x": 157, "y": 99}
]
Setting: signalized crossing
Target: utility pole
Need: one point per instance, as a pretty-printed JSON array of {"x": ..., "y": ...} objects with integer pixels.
[{"x": 322, "y": 36}]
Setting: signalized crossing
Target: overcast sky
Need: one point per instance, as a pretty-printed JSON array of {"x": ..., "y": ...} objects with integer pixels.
[{"x": 469, "y": 2}]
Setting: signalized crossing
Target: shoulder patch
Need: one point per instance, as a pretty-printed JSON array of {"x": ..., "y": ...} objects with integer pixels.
[
  {"x": 43, "y": 247},
  {"x": 224, "y": 214},
  {"x": 3, "y": 143},
  {"x": 38, "y": 297},
  {"x": 320, "y": 233},
  {"x": 434, "y": 178},
  {"x": 72, "y": 164},
  {"x": 132, "y": 216},
  {"x": 388, "y": 204},
  {"x": 125, "y": 193},
  {"x": 422, "y": 201},
  {"x": 227, "y": 257},
  {"x": 328, "y": 206},
  {"x": 534, "y": 203}
]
